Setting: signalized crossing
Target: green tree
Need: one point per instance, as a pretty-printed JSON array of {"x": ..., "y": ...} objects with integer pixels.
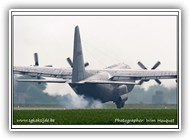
[{"x": 30, "y": 92}]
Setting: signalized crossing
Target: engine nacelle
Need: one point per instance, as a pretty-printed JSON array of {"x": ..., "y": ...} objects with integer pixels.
[
  {"x": 122, "y": 90},
  {"x": 124, "y": 97},
  {"x": 121, "y": 93}
]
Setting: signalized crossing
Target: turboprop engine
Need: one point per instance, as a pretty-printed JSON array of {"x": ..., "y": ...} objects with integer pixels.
[
  {"x": 122, "y": 91},
  {"x": 121, "y": 95}
]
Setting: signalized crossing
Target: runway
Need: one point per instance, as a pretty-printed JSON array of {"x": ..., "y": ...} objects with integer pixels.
[{"x": 39, "y": 108}]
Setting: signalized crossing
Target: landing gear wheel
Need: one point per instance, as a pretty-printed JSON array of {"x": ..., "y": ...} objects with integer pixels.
[{"x": 119, "y": 105}]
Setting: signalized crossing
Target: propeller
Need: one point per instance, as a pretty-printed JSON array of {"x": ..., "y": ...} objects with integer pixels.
[
  {"x": 153, "y": 68},
  {"x": 36, "y": 63},
  {"x": 71, "y": 62}
]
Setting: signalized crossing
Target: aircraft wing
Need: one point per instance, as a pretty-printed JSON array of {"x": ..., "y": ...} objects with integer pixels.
[
  {"x": 120, "y": 77},
  {"x": 42, "y": 80},
  {"x": 130, "y": 76},
  {"x": 143, "y": 75},
  {"x": 106, "y": 82},
  {"x": 43, "y": 71}
]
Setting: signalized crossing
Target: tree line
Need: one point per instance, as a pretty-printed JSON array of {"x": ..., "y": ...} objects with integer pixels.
[{"x": 34, "y": 93}]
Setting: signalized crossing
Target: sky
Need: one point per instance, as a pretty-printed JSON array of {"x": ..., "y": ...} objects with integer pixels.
[{"x": 106, "y": 40}]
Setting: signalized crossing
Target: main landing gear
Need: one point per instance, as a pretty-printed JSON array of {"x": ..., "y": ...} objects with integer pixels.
[{"x": 119, "y": 104}]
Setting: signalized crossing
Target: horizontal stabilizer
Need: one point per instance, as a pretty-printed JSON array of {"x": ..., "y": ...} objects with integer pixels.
[{"x": 42, "y": 80}]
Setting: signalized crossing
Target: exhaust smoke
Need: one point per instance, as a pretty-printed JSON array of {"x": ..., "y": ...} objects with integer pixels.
[{"x": 69, "y": 99}]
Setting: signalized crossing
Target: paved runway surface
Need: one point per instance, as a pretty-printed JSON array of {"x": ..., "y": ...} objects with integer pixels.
[{"x": 39, "y": 108}]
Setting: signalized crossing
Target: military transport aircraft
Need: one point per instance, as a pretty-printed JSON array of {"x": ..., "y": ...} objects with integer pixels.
[{"x": 110, "y": 84}]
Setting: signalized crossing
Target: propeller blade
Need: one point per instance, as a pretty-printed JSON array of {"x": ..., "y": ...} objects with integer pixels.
[
  {"x": 141, "y": 65},
  {"x": 48, "y": 65},
  {"x": 70, "y": 62},
  {"x": 36, "y": 59},
  {"x": 158, "y": 81},
  {"x": 156, "y": 65},
  {"x": 86, "y": 64},
  {"x": 141, "y": 82}
]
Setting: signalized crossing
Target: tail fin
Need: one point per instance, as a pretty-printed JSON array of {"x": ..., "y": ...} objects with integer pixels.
[{"x": 78, "y": 72}]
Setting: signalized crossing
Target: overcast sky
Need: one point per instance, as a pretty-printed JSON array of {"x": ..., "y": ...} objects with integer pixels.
[{"x": 106, "y": 40}]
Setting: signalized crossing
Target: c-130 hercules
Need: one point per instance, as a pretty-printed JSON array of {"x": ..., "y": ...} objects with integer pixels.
[{"x": 110, "y": 84}]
